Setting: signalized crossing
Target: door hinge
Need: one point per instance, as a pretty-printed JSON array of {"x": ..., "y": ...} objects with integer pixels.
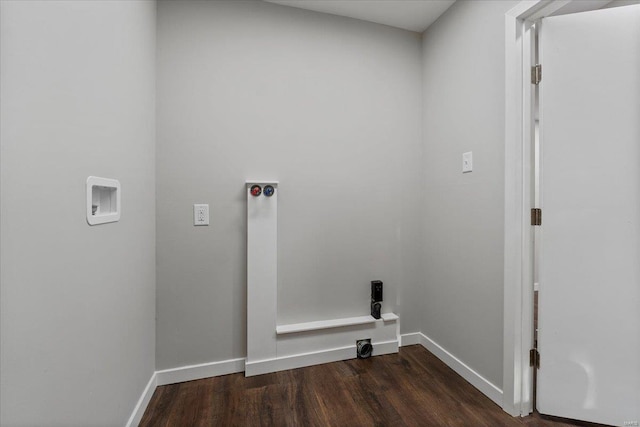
[
  {"x": 536, "y": 216},
  {"x": 536, "y": 74},
  {"x": 534, "y": 358}
]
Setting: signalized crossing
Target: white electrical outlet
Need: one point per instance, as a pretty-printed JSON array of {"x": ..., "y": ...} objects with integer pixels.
[
  {"x": 200, "y": 214},
  {"x": 467, "y": 162}
]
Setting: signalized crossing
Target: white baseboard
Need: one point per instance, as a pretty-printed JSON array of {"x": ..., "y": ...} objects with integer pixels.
[
  {"x": 411, "y": 339},
  {"x": 141, "y": 406},
  {"x": 385, "y": 347},
  {"x": 178, "y": 375},
  {"x": 474, "y": 378},
  {"x": 314, "y": 358},
  {"x": 207, "y": 370},
  {"x": 197, "y": 372}
]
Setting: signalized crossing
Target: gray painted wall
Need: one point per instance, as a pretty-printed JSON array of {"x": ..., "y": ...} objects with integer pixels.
[
  {"x": 371, "y": 186},
  {"x": 77, "y": 302},
  {"x": 328, "y": 106},
  {"x": 463, "y": 86}
]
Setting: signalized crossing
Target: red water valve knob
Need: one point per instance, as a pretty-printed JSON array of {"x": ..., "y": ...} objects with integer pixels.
[{"x": 256, "y": 190}]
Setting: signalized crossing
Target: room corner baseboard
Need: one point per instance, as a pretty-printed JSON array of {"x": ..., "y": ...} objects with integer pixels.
[
  {"x": 231, "y": 366},
  {"x": 471, "y": 376},
  {"x": 141, "y": 406},
  {"x": 178, "y": 375},
  {"x": 197, "y": 372}
]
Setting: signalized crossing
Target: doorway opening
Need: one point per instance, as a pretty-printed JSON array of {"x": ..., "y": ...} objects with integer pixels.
[{"x": 522, "y": 193}]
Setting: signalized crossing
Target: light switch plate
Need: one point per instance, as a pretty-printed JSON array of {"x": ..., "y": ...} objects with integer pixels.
[
  {"x": 200, "y": 214},
  {"x": 467, "y": 162}
]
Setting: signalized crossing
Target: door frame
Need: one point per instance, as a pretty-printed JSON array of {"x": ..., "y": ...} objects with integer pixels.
[{"x": 518, "y": 198}]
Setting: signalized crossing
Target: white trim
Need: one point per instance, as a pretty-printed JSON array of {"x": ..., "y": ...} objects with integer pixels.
[
  {"x": 410, "y": 339},
  {"x": 389, "y": 317},
  {"x": 143, "y": 402},
  {"x": 333, "y": 323},
  {"x": 262, "y": 272},
  {"x": 178, "y": 375},
  {"x": 314, "y": 358},
  {"x": 323, "y": 324},
  {"x": 485, "y": 386},
  {"x": 197, "y": 372},
  {"x": 514, "y": 218},
  {"x": 231, "y": 366},
  {"x": 385, "y": 347},
  {"x": 528, "y": 202},
  {"x": 518, "y": 256},
  {"x": 545, "y": 9}
]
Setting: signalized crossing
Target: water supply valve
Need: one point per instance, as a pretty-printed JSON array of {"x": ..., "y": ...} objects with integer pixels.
[
  {"x": 256, "y": 190},
  {"x": 269, "y": 190}
]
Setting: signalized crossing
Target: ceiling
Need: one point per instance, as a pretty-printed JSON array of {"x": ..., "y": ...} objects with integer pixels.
[{"x": 412, "y": 15}]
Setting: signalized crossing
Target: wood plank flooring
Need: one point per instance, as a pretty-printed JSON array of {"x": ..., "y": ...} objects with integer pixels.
[{"x": 412, "y": 388}]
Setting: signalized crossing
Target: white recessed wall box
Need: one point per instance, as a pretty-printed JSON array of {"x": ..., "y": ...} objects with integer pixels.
[{"x": 103, "y": 200}]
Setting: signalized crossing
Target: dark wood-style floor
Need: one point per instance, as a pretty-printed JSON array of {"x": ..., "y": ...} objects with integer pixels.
[{"x": 412, "y": 388}]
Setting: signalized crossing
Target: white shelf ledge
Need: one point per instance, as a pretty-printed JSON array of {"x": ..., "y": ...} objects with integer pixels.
[
  {"x": 333, "y": 323},
  {"x": 388, "y": 317}
]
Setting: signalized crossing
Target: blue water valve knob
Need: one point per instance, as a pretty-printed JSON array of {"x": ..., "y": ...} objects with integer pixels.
[{"x": 269, "y": 190}]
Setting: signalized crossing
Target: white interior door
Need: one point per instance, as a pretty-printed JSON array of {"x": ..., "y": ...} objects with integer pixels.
[{"x": 589, "y": 300}]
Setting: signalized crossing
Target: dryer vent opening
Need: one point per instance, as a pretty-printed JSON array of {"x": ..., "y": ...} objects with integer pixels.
[{"x": 364, "y": 349}]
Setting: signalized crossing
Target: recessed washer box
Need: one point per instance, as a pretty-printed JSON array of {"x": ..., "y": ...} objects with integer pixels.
[{"x": 103, "y": 200}]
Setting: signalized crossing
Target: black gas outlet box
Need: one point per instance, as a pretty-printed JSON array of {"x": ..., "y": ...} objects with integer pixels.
[{"x": 376, "y": 291}]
